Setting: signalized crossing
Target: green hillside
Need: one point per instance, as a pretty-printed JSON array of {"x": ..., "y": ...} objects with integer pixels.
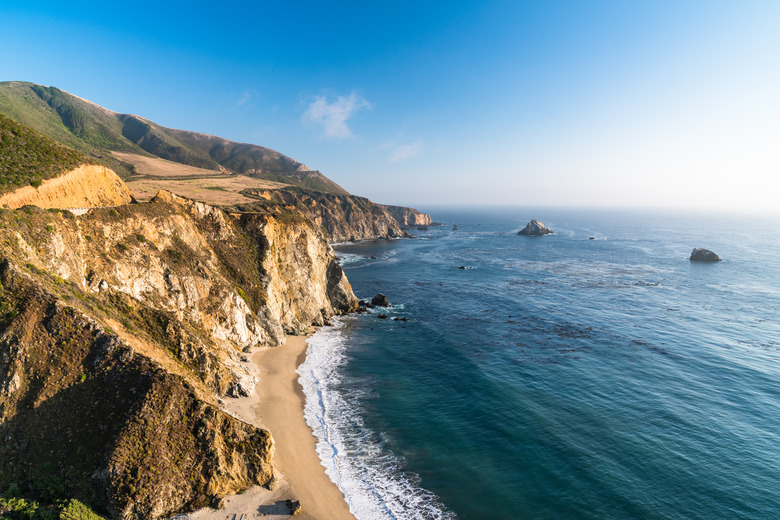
[
  {"x": 27, "y": 157},
  {"x": 96, "y": 131}
]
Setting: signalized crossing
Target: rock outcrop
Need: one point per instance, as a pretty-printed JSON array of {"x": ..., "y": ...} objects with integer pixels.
[
  {"x": 380, "y": 300},
  {"x": 341, "y": 217},
  {"x": 87, "y": 186},
  {"x": 535, "y": 228},
  {"x": 119, "y": 331},
  {"x": 703, "y": 255},
  {"x": 304, "y": 285},
  {"x": 409, "y": 217}
]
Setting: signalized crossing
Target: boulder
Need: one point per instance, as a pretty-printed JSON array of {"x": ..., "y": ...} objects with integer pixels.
[
  {"x": 535, "y": 229},
  {"x": 383, "y": 316},
  {"x": 703, "y": 255},
  {"x": 295, "y": 507},
  {"x": 380, "y": 300}
]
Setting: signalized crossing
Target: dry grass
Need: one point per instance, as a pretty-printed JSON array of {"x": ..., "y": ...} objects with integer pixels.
[
  {"x": 210, "y": 186},
  {"x": 162, "y": 168}
]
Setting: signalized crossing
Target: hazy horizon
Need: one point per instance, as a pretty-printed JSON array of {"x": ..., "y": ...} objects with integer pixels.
[{"x": 604, "y": 104}]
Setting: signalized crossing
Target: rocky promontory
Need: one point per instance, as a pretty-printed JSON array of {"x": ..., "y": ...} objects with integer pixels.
[
  {"x": 409, "y": 217},
  {"x": 535, "y": 228},
  {"x": 122, "y": 329},
  {"x": 342, "y": 218}
]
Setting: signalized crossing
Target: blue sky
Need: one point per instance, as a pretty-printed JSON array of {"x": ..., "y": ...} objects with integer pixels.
[{"x": 599, "y": 103}]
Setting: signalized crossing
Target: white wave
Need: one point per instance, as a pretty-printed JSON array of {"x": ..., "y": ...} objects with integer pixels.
[
  {"x": 371, "y": 477},
  {"x": 349, "y": 258}
]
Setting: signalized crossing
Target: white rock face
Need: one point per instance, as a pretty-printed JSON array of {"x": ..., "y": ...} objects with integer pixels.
[{"x": 217, "y": 284}]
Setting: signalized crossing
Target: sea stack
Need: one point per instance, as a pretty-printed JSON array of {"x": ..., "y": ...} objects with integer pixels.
[
  {"x": 703, "y": 255},
  {"x": 535, "y": 229},
  {"x": 380, "y": 300}
]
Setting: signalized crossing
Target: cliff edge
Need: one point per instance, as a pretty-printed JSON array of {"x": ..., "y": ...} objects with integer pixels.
[
  {"x": 87, "y": 186},
  {"x": 120, "y": 331}
]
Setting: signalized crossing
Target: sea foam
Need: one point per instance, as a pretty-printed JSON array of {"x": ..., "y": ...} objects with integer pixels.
[{"x": 369, "y": 475}]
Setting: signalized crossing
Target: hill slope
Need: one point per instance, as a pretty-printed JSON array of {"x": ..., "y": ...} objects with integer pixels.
[
  {"x": 97, "y": 132},
  {"x": 28, "y": 158},
  {"x": 122, "y": 330}
]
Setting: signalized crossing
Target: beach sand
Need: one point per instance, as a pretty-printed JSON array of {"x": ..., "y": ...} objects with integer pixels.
[{"x": 277, "y": 405}]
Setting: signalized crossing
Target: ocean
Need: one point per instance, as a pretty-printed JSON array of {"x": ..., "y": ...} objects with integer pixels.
[{"x": 556, "y": 377}]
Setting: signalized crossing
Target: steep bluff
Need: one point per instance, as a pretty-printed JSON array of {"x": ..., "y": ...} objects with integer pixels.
[
  {"x": 409, "y": 217},
  {"x": 341, "y": 217},
  {"x": 86, "y": 186},
  {"x": 120, "y": 329}
]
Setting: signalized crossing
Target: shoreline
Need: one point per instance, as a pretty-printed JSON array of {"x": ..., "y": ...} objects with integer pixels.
[{"x": 277, "y": 405}]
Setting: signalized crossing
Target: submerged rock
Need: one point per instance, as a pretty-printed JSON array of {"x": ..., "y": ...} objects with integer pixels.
[
  {"x": 383, "y": 316},
  {"x": 535, "y": 229},
  {"x": 703, "y": 255},
  {"x": 380, "y": 300}
]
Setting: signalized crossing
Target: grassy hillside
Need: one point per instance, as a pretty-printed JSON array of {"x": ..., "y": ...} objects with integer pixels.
[
  {"x": 97, "y": 132},
  {"x": 27, "y": 157}
]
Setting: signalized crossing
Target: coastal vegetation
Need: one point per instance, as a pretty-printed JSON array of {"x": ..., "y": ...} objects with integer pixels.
[
  {"x": 97, "y": 132},
  {"x": 28, "y": 158}
]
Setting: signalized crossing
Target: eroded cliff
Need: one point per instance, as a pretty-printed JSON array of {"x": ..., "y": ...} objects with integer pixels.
[
  {"x": 409, "y": 217},
  {"x": 87, "y": 186},
  {"x": 341, "y": 217},
  {"x": 120, "y": 330}
]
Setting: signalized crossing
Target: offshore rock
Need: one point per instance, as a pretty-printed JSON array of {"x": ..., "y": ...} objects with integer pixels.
[
  {"x": 380, "y": 300},
  {"x": 535, "y": 229},
  {"x": 703, "y": 255}
]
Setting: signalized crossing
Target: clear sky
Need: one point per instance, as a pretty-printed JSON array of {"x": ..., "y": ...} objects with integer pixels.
[{"x": 579, "y": 103}]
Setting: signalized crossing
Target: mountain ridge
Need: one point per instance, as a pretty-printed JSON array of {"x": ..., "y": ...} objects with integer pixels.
[{"x": 96, "y": 131}]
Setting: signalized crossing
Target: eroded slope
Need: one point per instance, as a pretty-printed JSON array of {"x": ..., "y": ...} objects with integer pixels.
[{"x": 122, "y": 328}]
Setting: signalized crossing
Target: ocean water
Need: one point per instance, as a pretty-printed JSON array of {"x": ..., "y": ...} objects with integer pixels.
[{"x": 557, "y": 377}]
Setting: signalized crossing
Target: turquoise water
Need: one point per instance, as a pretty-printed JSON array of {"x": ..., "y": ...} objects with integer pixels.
[{"x": 557, "y": 377}]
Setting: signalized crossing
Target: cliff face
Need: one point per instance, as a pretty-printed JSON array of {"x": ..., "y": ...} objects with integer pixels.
[
  {"x": 341, "y": 217},
  {"x": 119, "y": 329},
  {"x": 86, "y": 413},
  {"x": 87, "y": 186},
  {"x": 304, "y": 284},
  {"x": 409, "y": 217}
]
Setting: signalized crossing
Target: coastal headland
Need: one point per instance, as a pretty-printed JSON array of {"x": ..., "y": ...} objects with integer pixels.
[{"x": 149, "y": 348}]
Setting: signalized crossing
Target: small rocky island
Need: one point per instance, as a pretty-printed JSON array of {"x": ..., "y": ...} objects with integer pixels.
[
  {"x": 703, "y": 255},
  {"x": 535, "y": 229}
]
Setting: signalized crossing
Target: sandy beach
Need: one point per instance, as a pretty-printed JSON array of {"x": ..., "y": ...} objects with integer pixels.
[{"x": 277, "y": 405}]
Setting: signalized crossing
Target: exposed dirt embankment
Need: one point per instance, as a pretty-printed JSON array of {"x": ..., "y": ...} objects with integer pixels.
[
  {"x": 122, "y": 328},
  {"x": 87, "y": 186}
]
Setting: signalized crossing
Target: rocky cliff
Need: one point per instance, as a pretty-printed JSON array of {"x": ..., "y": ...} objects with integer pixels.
[
  {"x": 86, "y": 186},
  {"x": 409, "y": 217},
  {"x": 341, "y": 217},
  {"x": 119, "y": 331}
]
